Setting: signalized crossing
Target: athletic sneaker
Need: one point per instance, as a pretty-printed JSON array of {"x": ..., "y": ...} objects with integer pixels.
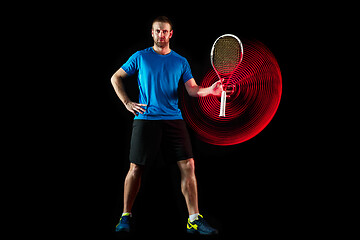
[
  {"x": 124, "y": 224},
  {"x": 200, "y": 226}
]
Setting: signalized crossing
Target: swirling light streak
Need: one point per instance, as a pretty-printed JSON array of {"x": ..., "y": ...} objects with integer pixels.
[{"x": 249, "y": 109}]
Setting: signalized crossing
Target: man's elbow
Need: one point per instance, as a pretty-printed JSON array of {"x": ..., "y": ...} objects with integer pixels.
[
  {"x": 193, "y": 92},
  {"x": 114, "y": 79}
]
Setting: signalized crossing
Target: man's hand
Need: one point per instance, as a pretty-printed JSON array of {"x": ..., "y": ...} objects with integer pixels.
[
  {"x": 135, "y": 108},
  {"x": 216, "y": 88}
]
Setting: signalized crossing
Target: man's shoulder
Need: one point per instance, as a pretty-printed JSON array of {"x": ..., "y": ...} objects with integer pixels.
[
  {"x": 178, "y": 56},
  {"x": 144, "y": 51},
  {"x": 175, "y": 54}
]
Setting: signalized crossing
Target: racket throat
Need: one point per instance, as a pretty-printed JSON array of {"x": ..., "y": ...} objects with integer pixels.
[{"x": 222, "y": 104}]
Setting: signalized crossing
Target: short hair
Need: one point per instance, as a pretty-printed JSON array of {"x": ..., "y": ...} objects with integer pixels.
[{"x": 163, "y": 19}]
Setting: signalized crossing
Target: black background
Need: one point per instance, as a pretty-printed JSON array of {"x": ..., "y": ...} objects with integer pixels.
[{"x": 263, "y": 187}]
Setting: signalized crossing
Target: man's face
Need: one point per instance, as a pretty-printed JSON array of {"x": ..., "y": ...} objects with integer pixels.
[{"x": 161, "y": 33}]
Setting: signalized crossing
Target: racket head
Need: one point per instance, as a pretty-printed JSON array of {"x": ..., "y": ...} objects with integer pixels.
[{"x": 226, "y": 54}]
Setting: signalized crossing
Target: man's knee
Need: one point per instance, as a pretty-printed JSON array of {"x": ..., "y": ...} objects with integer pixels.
[
  {"x": 136, "y": 170},
  {"x": 187, "y": 165}
]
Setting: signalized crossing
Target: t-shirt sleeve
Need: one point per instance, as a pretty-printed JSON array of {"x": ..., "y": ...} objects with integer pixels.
[
  {"x": 187, "y": 75},
  {"x": 132, "y": 64}
]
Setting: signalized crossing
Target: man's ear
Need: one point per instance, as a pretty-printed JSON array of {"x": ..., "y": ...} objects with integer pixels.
[
  {"x": 152, "y": 32},
  {"x": 171, "y": 33}
]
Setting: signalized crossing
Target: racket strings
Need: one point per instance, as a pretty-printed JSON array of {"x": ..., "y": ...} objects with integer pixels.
[{"x": 227, "y": 55}]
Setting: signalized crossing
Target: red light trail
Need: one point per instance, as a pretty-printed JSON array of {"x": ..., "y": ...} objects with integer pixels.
[{"x": 249, "y": 109}]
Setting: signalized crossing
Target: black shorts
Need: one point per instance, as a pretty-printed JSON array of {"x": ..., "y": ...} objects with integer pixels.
[{"x": 149, "y": 137}]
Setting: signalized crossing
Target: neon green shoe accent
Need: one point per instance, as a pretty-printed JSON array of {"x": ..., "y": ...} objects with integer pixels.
[
  {"x": 192, "y": 224},
  {"x": 200, "y": 226}
]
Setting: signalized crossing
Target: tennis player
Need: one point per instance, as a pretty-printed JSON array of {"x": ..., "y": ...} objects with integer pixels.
[{"x": 158, "y": 119}]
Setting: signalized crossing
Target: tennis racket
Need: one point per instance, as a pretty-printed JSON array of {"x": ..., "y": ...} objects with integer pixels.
[{"x": 226, "y": 55}]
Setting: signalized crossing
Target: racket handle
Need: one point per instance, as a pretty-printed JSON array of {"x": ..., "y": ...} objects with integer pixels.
[{"x": 222, "y": 104}]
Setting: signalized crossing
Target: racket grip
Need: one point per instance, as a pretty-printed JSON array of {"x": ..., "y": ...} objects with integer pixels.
[{"x": 222, "y": 104}]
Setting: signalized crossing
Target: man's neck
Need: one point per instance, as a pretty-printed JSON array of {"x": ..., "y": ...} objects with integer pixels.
[{"x": 162, "y": 50}]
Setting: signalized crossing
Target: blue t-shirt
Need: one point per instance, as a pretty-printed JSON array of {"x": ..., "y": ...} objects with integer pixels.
[{"x": 158, "y": 79}]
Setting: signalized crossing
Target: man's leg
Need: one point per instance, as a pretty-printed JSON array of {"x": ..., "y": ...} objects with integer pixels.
[
  {"x": 132, "y": 186},
  {"x": 189, "y": 189},
  {"x": 189, "y": 184}
]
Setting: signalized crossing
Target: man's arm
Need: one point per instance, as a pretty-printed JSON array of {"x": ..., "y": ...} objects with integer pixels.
[
  {"x": 196, "y": 91},
  {"x": 117, "y": 82}
]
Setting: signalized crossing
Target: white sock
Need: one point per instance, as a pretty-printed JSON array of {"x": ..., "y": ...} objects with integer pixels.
[
  {"x": 194, "y": 217},
  {"x": 126, "y": 214}
]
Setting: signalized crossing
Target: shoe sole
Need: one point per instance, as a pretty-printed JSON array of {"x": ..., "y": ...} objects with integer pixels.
[
  {"x": 193, "y": 231},
  {"x": 123, "y": 230}
]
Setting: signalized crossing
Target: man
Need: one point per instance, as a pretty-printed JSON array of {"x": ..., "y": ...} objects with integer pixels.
[{"x": 158, "y": 118}]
